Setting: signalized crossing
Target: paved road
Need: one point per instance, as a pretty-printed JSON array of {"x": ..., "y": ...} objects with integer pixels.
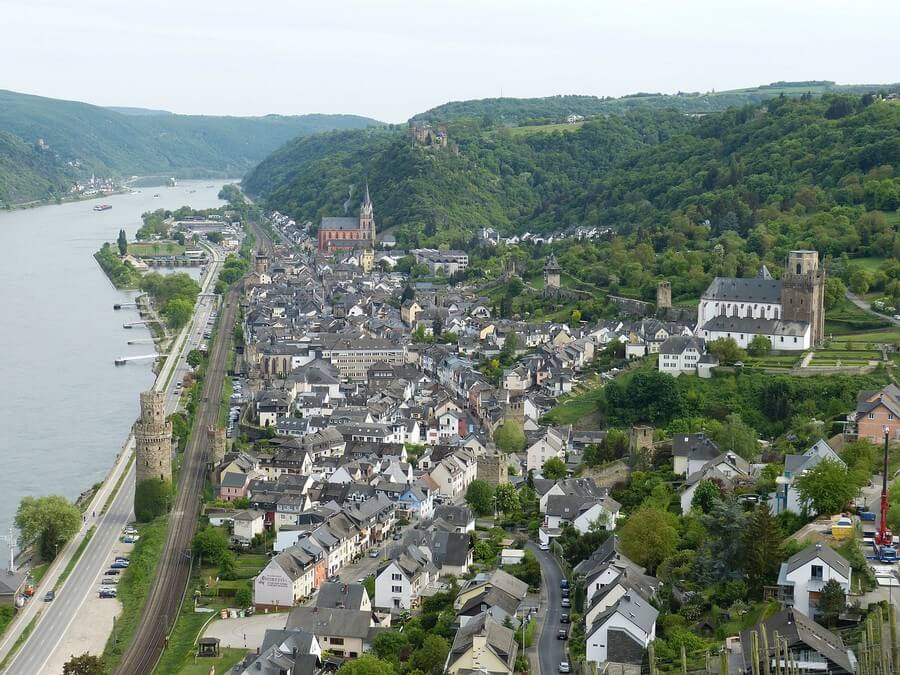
[
  {"x": 550, "y": 650},
  {"x": 56, "y": 617},
  {"x": 867, "y": 307}
]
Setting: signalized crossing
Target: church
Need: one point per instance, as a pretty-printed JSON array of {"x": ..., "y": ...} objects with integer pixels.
[
  {"x": 349, "y": 233},
  {"x": 789, "y": 311}
]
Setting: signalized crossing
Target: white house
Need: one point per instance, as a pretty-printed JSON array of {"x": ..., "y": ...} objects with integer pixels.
[
  {"x": 622, "y": 632},
  {"x": 248, "y": 524},
  {"x": 683, "y": 354},
  {"x": 786, "y": 496},
  {"x": 802, "y": 577},
  {"x": 400, "y": 583},
  {"x": 289, "y": 577},
  {"x": 552, "y": 444}
]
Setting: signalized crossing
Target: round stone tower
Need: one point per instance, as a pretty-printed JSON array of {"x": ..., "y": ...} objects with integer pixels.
[
  {"x": 153, "y": 439},
  {"x": 216, "y": 436}
]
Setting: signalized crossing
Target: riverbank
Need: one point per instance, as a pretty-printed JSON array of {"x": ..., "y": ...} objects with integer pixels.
[{"x": 68, "y": 199}]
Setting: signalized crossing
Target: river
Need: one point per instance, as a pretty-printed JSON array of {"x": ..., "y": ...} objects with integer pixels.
[{"x": 66, "y": 409}]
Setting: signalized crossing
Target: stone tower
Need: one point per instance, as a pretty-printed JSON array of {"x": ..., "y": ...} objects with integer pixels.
[
  {"x": 803, "y": 292},
  {"x": 367, "y": 218},
  {"x": 261, "y": 263},
  {"x": 664, "y": 295},
  {"x": 153, "y": 439},
  {"x": 551, "y": 272},
  {"x": 640, "y": 437},
  {"x": 368, "y": 260},
  {"x": 216, "y": 436}
]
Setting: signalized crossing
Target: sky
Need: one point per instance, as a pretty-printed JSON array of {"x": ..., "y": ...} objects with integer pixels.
[{"x": 389, "y": 59}]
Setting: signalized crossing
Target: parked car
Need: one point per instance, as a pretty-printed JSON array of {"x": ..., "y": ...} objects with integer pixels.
[
  {"x": 564, "y": 667},
  {"x": 564, "y": 618},
  {"x": 373, "y": 553},
  {"x": 561, "y": 634},
  {"x": 109, "y": 581},
  {"x": 107, "y": 592},
  {"x": 49, "y": 596},
  {"x": 113, "y": 571},
  {"x": 334, "y": 579},
  {"x": 544, "y": 547},
  {"x": 566, "y": 603},
  {"x": 565, "y": 592},
  {"x": 564, "y": 583}
]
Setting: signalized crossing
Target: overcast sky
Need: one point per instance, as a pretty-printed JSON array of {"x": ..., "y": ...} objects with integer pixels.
[{"x": 389, "y": 59}]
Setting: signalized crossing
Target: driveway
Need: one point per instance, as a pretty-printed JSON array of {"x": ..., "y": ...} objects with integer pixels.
[
  {"x": 246, "y": 633},
  {"x": 866, "y": 307},
  {"x": 550, "y": 650}
]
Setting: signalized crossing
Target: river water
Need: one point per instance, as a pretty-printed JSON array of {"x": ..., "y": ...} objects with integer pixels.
[{"x": 66, "y": 410}]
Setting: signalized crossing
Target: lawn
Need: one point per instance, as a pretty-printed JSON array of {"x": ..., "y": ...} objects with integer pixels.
[
  {"x": 773, "y": 361},
  {"x": 152, "y": 249},
  {"x": 887, "y": 335},
  {"x": 201, "y": 666},
  {"x": 573, "y": 408},
  {"x": 847, "y": 318},
  {"x": 543, "y": 128}
]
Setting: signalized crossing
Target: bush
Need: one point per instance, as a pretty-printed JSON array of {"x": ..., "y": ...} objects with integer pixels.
[
  {"x": 243, "y": 597},
  {"x": 151, "y": 499}
]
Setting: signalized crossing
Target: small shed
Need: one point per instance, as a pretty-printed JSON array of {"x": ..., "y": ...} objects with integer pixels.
[
  {"x": 511, "y": 556},
  {"x": 208, "y": 646}
]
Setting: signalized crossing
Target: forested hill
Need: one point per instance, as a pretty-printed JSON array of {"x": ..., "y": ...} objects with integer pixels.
[
  {"x": 646, "y": 172},
  {"x": 83, "y": 138},
  {"x": 26, "y": 173},
  {"x": 519, "y": 111}
]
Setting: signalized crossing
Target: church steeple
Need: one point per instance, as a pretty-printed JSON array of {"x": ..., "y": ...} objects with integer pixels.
[{"x": 367, "y": 218}]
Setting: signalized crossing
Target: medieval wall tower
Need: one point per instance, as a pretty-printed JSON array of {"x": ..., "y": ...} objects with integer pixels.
[
  {"x": 367, "y": 219},
  {"x": 216, "y": 436},
  {"x": 551, "y": 273},
  {"x": 153, "y": 439},
  {"x": 664, "y": 295},
  {"x": 261, "y": 263},
  {"x": 803, "y": 292}
]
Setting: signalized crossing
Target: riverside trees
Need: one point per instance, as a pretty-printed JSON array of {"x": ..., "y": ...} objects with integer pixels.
[{"x": 49, "y": 522}]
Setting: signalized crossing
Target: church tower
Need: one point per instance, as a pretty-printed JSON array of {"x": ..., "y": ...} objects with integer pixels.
[
  {"x": 367, "y": 219},
  {"x": 551, "y": 273},
  {"x": 153, "y": 439},
  {"x": 803, "y": 292}
]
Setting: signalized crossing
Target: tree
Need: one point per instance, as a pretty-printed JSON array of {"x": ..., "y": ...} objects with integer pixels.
[
  {"x": 243, "y": 597},
  {"x": 762, "y": 549},
  {"x": 408, "y": 292},
  {"x": 835, "y": 290},
  {"x": 735, "y": 436},
  {"x": 576, "y": 316},
  {"x": 390, "y": 646},
  {"x": 122, "y": 242},
  {"x": 506, "y": 498},
  {"x": 826, "y": 488},
  {"x": 649, "y": 537},
  {"x": 760, "y": 345},
  {"x": 480, "y": 497},
  {"x": 726, "y": 350},
  {"x": 151, "y": 499},
  {"x": 510, "y": 436},
  {"x": 508, "y": 350},
  {"x": 366, "y": 664},
  {"x": 860, "y": 281},
  {"x": 178, "y": 312},
  {"x": 706, "y": 494},
  {"x": 430, "y": 657},
  {"x": 48, "y": 521},
  {"x": 86, "y": 664},
  {"x": 212, "y": 544},
  {"x": 554, "y": 469},
  {"x": 195, "y": 357},
  {"x": 832, "y": 602}
]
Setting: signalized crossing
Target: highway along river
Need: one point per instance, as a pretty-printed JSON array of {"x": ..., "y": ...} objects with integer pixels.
[{"x": 65, "y": 409}]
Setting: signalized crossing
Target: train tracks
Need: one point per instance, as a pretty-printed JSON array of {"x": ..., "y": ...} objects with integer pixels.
[{"x": 173, "y": 570}]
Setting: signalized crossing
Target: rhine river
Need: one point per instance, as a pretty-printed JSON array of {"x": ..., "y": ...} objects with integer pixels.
[{"x": 66, "y": 409}]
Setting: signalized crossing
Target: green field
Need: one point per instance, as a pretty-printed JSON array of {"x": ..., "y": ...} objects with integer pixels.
[
  {"x": 143, "y": 249},
  {"x": 887, "y": 335},
  {"x": 847, "y": 318},
  {"x": 223, "y": 664}
]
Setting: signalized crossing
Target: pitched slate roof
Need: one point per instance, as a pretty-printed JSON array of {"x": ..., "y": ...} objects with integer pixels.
[
  {"x": 348, "y": 623},
  {"x": 499, "y": 639},
  {"x": 735, "y": 324},
  {"x": 340, "y": 596},
  {"x": 825, "y": 553},
  {"x": 633, "y": 607},
  {"x": 757, "y": 290}
]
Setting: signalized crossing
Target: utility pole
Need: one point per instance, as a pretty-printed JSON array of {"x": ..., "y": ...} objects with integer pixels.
[
  {"x": 11, "y": 540},
  {"x": 892, "y": 621}
]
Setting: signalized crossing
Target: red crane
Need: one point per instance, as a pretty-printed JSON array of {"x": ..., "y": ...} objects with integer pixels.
[{"x": 884, "y": 536}]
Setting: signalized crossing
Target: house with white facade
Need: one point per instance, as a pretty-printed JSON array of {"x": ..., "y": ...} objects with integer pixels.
[
  {"x": 685, "y": 354},
  {"x": 400, "y": 582},
  {"x": 623, "y": 632},
  {"x": 786, "y": 496},
  {"x": 289, "y": 577},
  {"x": 553, "y": 443},
  {"x": 802, "y": 577}
]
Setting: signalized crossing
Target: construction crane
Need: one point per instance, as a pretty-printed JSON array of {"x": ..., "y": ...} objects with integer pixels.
[{"x": 883, "y": 542}]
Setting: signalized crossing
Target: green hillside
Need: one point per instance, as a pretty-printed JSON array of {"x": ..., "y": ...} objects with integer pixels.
[
  {"x": 689, "y": 198},
  {"x": 518, "y": 111},
  {"x": 109, "y": 142},
  {"x": 26, "y": 173}
]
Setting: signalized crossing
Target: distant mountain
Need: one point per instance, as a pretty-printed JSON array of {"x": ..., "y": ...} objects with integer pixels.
[
  {"x": 125, "y": 110},
  {"x": 79, "y": 138},
  {"x": 516, "y": 111}
]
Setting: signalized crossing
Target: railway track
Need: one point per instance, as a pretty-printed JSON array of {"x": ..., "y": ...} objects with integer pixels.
[{"x": 174, "y": 566}]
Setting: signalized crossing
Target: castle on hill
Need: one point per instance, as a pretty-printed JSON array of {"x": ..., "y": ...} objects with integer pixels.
[
  {"x": 348, "y": 232},
  {"x": 789, "y": 311}
]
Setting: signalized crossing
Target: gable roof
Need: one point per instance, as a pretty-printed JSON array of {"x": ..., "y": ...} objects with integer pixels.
[
  {"x": 632, "y": 606},
  {"x": 340, "y": 596},
  {"x": 824, "y": 553},
  {"x": 499, "y": 639},
  {"x": 758, "y": 290},
  {"x": 348, "y": 623}
]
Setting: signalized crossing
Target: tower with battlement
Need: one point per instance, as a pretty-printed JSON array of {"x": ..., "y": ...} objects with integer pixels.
[
  {"x": 261, "y": 263},
  {"x": 803, "y": 292},
  {"x": 153, "y": 439},
  {"x": 551, "y": 273},
  {"x": 216, "y": 436},
  {"x": 664, "y": 295}
]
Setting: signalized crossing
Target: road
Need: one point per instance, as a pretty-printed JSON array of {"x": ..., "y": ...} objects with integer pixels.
[
  {"x": 550, "y": 650},
  {"x": 54, "y": 619},
  {"x": 867, "y": 307}
]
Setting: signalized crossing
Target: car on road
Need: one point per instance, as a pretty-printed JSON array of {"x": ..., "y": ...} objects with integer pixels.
[
  {"x": 544, "y": 547},
  {"x": 361, "y": 580},
  {"x": 373, "y": 553},
  {"x": 49, "y": 596},
  {"x": 566, "y": 602},
  {"x": 564, "y": 667},
  {"x": 334, "y": 579},
  {"x": 564, "y": 618},
  {"x": 562, "y": 634}
]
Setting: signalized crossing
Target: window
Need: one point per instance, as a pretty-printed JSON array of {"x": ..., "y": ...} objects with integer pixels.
[
  {"x": 871, "y": 416},
  {"x": 396, "y": 589},
  {"x": 396, "y": 577},
  {"x": 816, "y": 572},
  {"x": 336, "y": 641}
]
